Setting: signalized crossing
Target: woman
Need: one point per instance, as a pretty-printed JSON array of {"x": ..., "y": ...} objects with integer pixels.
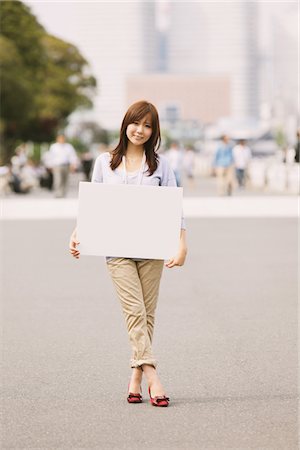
[{"x": 135, "y": 161}]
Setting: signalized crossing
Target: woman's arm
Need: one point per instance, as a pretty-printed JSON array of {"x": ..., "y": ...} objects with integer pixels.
[
  {"x": 181, "y": 255},
  {"x": 97, "y": 177},
  {"x": 168, "y": 179},
  {"x": 73, "y": 244}
]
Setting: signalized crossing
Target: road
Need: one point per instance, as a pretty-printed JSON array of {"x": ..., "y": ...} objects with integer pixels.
[{"x": 225, "y": 339}]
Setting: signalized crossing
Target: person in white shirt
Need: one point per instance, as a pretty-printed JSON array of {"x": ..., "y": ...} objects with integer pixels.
[
  {"x": 241, "y": 156},
  {"x": 19, "y": 159},
  {"x": 175, "y": 157},
  {"x": 189, "y": 162},
  {"x": 63, "y": 159}
]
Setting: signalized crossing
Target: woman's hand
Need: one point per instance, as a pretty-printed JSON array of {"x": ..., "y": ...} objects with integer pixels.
[
  {"x": 73, "y": 245},
  {"x": 180, "y": 258},
  {"x": 177, "y": 260}
]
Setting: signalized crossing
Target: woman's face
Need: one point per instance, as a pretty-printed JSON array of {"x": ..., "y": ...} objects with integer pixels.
[{"x": 139, "y": 131}]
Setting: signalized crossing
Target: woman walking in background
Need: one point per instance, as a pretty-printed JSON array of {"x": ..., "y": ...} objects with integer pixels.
[{"x": 135, "y": 161}]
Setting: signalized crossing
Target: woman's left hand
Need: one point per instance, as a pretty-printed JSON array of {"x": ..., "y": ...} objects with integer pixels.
[{"x": 177, "y": 260}]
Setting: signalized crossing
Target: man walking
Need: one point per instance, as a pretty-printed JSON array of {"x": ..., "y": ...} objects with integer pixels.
[
  {"x": 223, "y": 164},
  {"x": 241, "y": 156},
  {"x": 175, "y": 157},
  {"x": 63, "y": 159}
]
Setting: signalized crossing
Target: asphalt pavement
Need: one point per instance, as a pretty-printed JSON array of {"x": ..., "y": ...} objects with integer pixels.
[{"x": 225, "y": 339}]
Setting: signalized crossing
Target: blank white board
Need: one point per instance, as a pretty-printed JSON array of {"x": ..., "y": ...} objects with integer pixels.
[{"x": 129, "y": 221}]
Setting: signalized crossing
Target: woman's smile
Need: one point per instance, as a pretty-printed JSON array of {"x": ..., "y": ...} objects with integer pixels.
[{"x": 139, "y": 131}]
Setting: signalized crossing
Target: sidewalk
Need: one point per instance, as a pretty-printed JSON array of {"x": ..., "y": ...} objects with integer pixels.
[
  {"x": 200, "y": 201},
  {"x": 194, "y": 207}
]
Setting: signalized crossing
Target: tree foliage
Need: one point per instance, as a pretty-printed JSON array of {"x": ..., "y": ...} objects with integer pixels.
[
  {"x": 91, "y": 132},
  {"x": 43, "y": 78}
]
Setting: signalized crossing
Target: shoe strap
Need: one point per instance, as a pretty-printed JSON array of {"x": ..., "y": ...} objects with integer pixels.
[
  {"x": 131, "y": 395},
  {"x": 161, "y": 398}
]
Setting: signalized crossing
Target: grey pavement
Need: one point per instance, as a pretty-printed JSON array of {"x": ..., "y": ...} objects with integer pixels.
[
  {"x": 225, "y": 339},
  {"x": 203, "y": 186}
]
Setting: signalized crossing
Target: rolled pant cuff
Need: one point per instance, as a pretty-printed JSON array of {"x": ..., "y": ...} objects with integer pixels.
[{"x": 136, "y": 363}]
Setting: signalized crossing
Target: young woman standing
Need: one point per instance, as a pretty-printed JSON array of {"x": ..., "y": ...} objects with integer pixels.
[{"x": 135, "y": 161}]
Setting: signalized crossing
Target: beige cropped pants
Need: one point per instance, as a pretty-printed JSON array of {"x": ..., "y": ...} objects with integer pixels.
[
  {"x": 137, "y": 286},
  {"x": 225, "y": 178}
]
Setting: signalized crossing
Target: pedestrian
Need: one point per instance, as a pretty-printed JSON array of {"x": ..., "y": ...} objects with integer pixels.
[
  {"x": 20, "y": 157},
  {"x": 47, "y": 172},
  {"x": 297, "y": 148},
  {"x": 135, "y": 161},
  {"x": 175, "y": 157},
  {"x": 87, "y": 161},
  {"x": 18, "y": 161},
  {"x": 189, "y": 162},
  {"x": 223, "y": 165},
  {"x": 29, "y": 176},
  {"x": 4, "y": 180},
  {"x": 63, "y": 159},
  {"x": 241, "y": 156}
]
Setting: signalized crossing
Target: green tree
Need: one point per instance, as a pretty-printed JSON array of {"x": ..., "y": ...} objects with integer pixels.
[
  {"x": 16, "y": 90},
  {"x": 66, "y": 86},
  {"x": 43, "y": 79}
]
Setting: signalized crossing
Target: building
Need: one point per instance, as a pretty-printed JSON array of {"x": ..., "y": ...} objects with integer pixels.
[
  {"x": 214, "y": 39},
  {"x": 184, "y": 98},
  {"x": 221, "y": 40}
]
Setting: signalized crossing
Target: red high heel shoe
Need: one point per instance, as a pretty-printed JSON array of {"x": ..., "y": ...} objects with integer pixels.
[
  {"x": 159, "y": 400},
  {"x": 134, "y": 398}
]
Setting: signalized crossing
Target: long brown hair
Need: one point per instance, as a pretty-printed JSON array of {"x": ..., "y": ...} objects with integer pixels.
[{"x": 136, "y": 112}]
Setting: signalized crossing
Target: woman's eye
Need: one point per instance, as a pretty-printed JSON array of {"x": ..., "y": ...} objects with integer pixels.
[{"x": 148, "y": 126}]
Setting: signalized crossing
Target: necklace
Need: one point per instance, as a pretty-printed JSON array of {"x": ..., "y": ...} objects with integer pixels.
[
  {"x": 140, "y": 174},
  {"x": 132, "y": 160}
]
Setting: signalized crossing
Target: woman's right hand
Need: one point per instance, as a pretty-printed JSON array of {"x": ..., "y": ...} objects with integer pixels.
[{"x": 73, "y": 246}]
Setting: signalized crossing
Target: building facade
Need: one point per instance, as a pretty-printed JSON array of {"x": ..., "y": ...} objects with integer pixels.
[
  {"x": 183, "y": 98},
  {"x": 218, "y": 39}
]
